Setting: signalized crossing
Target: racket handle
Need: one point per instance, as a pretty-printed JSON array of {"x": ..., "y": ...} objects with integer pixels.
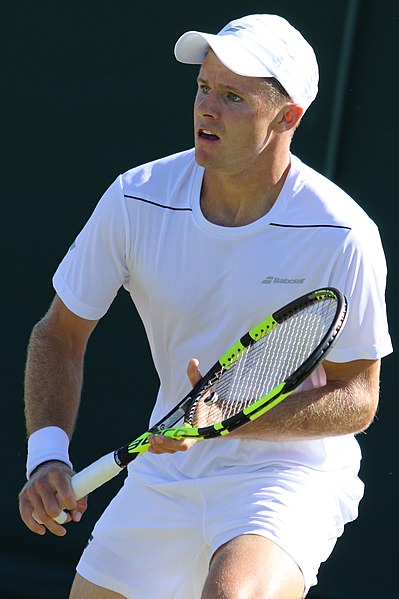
[{"x": 89, "y": 479}]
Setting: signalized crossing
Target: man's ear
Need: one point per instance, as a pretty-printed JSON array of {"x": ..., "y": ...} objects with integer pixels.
[{"x": 288, "y": 117}]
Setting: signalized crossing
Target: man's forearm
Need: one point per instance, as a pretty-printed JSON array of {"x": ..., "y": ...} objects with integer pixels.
[
  {"x": 334, "y": 409},
  {"x": 53, "y": 382}
]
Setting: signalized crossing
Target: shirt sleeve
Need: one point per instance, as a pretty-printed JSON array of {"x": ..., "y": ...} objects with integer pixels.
[
  {"x": 360, "y": 272},
  {"x": 90, "y": 275}
]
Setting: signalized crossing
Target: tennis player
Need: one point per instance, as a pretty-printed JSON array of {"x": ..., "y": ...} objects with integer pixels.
[{"x": 206, "y": 242}]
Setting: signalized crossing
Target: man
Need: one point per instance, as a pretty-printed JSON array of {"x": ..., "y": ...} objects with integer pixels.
[{"x": 254, "y": 514}]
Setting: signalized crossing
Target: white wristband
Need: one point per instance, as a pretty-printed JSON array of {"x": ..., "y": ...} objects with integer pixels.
[{"x": 48, "y": 443}]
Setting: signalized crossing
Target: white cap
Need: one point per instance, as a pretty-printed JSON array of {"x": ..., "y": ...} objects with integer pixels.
[{"x": 259, "y": 46}]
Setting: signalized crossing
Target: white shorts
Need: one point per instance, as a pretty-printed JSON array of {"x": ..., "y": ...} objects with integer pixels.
[{"x": 159, "y": 539}]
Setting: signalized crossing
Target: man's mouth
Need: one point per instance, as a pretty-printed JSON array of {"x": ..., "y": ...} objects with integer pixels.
[{"x": 207, "y": 134}]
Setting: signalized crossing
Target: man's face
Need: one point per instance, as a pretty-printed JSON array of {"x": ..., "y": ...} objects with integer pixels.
[{"x": 233, "y": 119}]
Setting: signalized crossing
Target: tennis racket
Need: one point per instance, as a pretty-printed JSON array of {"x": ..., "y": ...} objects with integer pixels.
[{"x": 254, "y": 375}]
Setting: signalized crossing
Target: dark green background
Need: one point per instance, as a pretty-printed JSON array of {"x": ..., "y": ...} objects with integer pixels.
[{"x": 90, "y": 89}]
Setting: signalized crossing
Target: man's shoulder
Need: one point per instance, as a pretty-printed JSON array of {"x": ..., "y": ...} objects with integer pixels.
[
  {"x": 165, "y": 182},
  {"x": 164, "y": 166},
  {"x": 324, "y": 200},
  {"x": 315, "y": 182}
]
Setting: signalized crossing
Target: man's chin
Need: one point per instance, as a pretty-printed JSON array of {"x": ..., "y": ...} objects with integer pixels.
[{"x": 203, "y": 159}]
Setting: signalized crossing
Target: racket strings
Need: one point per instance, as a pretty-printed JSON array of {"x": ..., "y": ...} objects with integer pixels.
[{"x": 264, "y": 365}]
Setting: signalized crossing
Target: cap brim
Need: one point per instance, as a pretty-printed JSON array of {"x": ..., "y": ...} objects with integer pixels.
[{"x": 192, "y": 46}]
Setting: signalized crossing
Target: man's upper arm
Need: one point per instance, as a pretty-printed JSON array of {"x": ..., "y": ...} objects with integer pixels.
[{"x": 73, "y": 329}]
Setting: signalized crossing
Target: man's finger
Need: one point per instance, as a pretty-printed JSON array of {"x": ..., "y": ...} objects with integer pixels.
[
  {"x": 193, "y": 371},
  {"x": 160, "y": 444}
]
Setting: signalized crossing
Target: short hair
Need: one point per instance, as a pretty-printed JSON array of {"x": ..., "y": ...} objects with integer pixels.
[
  {"x": 278, "y": 96},
  {"x": 277, "y": 92}
]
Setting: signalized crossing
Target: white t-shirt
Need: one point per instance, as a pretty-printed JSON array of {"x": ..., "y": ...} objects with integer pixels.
[{"x": 198, "y": 286}]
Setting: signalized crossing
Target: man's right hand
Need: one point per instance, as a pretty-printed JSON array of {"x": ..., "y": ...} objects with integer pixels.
[{"x": 47, "y": 492}]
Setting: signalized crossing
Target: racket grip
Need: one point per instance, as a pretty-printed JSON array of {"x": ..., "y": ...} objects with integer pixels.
[{"x": 89, "y": 479}]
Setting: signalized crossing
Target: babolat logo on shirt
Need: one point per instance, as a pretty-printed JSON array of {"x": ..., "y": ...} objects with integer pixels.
[{"x": 276, "y": 280}]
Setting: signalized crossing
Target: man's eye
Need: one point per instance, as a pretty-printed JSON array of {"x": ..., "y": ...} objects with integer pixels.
[
  {"x": 205, "y": 89},
  {"x": 233, "y": 97}
]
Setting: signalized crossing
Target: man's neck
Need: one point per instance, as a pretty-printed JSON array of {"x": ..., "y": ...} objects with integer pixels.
[{"x": 237, "y": 200}]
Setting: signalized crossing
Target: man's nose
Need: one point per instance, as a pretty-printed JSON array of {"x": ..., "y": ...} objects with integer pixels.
[{"x": 208, "y": 105}]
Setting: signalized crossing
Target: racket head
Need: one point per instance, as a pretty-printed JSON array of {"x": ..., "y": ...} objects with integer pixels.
[
  {"x": 234, "y": 363},
  {"x": 265, "y": 365}
]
